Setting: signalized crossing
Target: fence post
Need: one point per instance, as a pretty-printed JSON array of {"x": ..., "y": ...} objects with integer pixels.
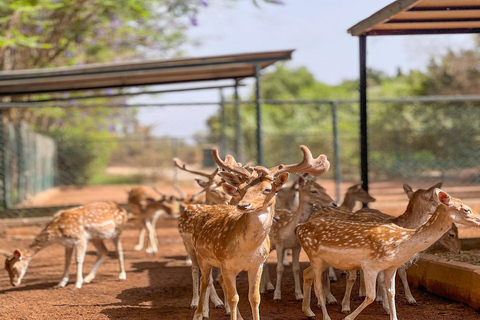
[
  {"x": 3, "y": 162},
  {"x": 336, "y": 152},
  {"x": 259, "y": 116},
  {"x": 223, "y": 121}
]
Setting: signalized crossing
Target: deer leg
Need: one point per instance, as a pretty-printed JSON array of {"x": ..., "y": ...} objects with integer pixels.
[
  {"x": 152, "y": 238},
  {"x": 351, "y": 277},
  {"x": 332, "y": 274},
  {"x": 308, "y": 276},
  {"x": 101, "y": 253},
  {"x": 318, "y": 284},
  {"x": 213, "y": 293},
  {"x": 296, "y": 271},
  {"x": 203, "y": 310},
  {"x": 361, "y": 290},
  {"x": 402, "y": 273},
  {"x": 195, "y": 276},
  {"x": 68, "y": 258},
  {"x": 326, "y": 289},
  {"x": 222, "y": 284},
  {"x": 381, "y": 292},
  {"x": 232, "y": 298},
  {"x": 121, "y": 263},
  {"x": 81, "y": 250},
  {"x": 254, "y": 276},
  {"x": 141, "y": 238},
  {"x": 266, "y": 283},
  {"x": 370, "y": 281},
  {"x": 280, "y": 268},
  {"x": 389, "y": 282}
]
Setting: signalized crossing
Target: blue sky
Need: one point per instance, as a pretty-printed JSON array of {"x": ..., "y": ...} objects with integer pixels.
[{"x": 317, "y": 30}]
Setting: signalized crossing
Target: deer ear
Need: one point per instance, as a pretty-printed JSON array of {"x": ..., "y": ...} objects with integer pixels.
[
  {"x": 17, "y": 254},
  {"x": 301, "y": 182},
  {"x": 442, "y": 197},
  {"x": 230, "y": 190},
  {"x": 280, "y": 180},
  {"x": 408, "y": 190},
  {"x": 201, "y": 183}
]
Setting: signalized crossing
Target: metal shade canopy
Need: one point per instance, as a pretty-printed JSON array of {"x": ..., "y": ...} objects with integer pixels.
[
  {"x": 405, "y": 17},
  {"x": 408, "y": 17},
  {"x": 125, "y": 74}
]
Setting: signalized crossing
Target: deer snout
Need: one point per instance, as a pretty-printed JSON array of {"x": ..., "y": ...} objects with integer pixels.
[{"x": 244, "y": 206}]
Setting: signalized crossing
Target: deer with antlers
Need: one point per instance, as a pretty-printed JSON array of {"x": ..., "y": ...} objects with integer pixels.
[
  {"x": 146, "y": 204},
  {"x": 235, "y": 237},
  {"x": 74, "y": 228},
  {"x": 282, "y": 233},
  {"x": 373, "y": 247}
]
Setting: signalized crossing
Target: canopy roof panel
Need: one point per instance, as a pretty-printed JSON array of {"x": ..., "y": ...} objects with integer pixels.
[
  {"x": 125, "y": 74},
  {"x": 422, "y": 17}
]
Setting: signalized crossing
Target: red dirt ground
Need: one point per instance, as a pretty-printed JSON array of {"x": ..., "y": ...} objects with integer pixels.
[{"x": 159, "y": 286}]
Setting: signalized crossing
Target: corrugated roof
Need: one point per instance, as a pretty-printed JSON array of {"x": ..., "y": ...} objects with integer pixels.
[
  {"x": 422, "y": 17},
  {"x": 124, "y": 74}
]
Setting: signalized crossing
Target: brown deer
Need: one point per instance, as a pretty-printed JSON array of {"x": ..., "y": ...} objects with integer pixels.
[
  {"x": 235, "y": 238},
  {"x": 282, "y": 233},
  {"x": 354, "y": 193},
  {"x": 373, "y": 247},
  {"x": 74, "y": 228},
  {"x": 421, "y": 204},
  {"x": 146, "y": 204}
]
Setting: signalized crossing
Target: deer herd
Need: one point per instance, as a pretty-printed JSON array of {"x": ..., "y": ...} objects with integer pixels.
[{"x": 244, "y": 212}]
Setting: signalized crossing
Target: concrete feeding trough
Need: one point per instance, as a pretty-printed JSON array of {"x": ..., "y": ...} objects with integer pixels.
[{"x": 445, "y": 277}]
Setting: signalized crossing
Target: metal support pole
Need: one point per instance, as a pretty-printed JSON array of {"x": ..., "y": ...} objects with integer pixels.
[
  {"x": 336, "y": 152},
  {"x": 3, "y": 162},
  {"x": 259, "y": 116},
  {"x": 238, "y": 126},
  {"x": 363, "y": 112},
  {"x": 223, "y": 120}
]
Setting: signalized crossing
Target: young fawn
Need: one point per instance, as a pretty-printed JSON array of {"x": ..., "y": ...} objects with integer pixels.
[
  {"x": 146, "y": 204},
  {"x": 74, "y": 228},
  {"x": 373, "y": 247},
  {"x": 282, "y": 234},
  {"x": 235, "y": 238}
]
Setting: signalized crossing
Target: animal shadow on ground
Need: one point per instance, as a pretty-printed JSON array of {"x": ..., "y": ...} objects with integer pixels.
[{"x": 167, "y": 297}]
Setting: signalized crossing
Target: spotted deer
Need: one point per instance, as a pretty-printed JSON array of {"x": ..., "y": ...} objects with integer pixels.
[
  {"x": 146, "y": 204},
  {"x": 421, "y": 204},
  {"x": 74, "y": 228},
  {"x": 282, "y": 233},
  {"x": 353, "y": 194},
  {"x": 373, "y": 247},
  {"x": 235, "y": 237}
]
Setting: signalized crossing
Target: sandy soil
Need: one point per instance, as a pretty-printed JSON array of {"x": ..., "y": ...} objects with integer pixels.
[{"x": 159, "y": 286}]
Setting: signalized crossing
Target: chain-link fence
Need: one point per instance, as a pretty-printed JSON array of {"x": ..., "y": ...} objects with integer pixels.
[{"x": 418, "y": 140}]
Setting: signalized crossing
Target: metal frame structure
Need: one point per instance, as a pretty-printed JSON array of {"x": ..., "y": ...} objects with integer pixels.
[
  {"x": 18, "y": 86},
  {"x": 409, "y": 17}
]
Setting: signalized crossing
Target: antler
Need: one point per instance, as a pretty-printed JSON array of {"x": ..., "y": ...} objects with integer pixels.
[
  {"x": 315, "y": 167},
  {"x": 182, "y": 166},
  {"x": 230, "y": 165}
]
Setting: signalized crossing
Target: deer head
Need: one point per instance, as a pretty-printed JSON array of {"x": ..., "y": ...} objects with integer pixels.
[
  {"x": 16, "y": 267},
  {"x": 239, "y": 179}
]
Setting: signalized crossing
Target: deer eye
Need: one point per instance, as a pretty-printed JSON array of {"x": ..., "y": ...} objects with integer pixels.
[
  {"x": 451, "y": 235},
  {"x": 314, "y": 192},
  {"x": 267, "y": 190},
  {"x": 467, "y": 210}
]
